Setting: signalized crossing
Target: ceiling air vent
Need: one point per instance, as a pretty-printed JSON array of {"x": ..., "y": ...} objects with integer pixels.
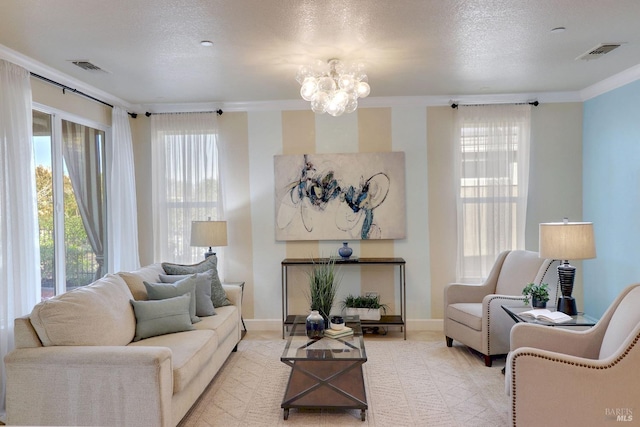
[
  {"x": 599, "y": 51},
  {"x": 88, "y": 66}
]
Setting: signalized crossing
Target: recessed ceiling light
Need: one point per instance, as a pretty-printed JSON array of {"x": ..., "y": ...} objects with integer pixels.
[
  {"x": 558, "y": 30},
  {"x": 206, "y": 43}
]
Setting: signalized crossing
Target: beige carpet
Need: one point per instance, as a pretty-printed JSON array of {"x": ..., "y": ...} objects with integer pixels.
[{"x": 408, "y": 383}]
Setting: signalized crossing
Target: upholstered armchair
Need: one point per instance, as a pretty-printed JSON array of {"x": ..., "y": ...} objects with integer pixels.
[
  {"x": 473, "y": 314},
  {"x": 578, "y": 378}
]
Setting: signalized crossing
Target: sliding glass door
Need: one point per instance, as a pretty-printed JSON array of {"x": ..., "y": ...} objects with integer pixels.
[{"x": 70, "y": 182}]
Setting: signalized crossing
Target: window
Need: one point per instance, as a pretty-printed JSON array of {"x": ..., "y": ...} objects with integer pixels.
[
  {"x": 69, "y": 169},
  {"x": 492, "y": 166},
  {"x": 185, "y": 181}
]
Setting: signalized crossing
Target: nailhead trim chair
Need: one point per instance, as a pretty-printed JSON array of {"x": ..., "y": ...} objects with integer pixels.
[
  {"x": 580, "y": 378},
  {"x": 473, "y": 314}
]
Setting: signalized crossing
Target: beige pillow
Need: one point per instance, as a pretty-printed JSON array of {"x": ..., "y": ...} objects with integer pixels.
[
  {"x": 135, "y": 279},
  {"x": 97, "y": 314}
]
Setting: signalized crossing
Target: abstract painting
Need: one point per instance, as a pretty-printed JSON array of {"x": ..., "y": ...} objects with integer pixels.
[{"x": 359, "y": 196}]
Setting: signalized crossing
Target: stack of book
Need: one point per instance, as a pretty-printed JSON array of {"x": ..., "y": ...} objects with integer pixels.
[{"x": 338, "y": 333}]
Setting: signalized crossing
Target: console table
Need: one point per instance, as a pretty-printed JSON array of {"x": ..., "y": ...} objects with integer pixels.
[{"x": 386, "y": 320}]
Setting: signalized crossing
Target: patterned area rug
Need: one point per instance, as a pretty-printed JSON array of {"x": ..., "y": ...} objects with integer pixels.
[{"x": 408, "y": 383}]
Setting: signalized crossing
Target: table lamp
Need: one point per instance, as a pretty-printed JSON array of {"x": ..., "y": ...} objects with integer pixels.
[
  {"x": 209, "y": 234},
  {"x": 564, "y": 241}
]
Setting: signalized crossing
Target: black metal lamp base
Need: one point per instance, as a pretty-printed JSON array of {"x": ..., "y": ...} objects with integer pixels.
[{"x": 567, "y": 305}]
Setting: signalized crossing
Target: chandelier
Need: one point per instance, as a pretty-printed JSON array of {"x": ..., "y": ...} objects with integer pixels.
[{"x": 333, "y": 87}]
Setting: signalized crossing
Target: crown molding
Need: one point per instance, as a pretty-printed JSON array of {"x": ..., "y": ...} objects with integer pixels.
[
  {"x": 614, "y": 82},
  {"x": 618, "y": 80},
  {"x": 370, "y": 102},
  {"x": 39, "y": 68}
]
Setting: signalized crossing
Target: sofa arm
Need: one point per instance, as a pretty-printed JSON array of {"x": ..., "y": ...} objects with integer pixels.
[
  {"x": 79, "y": 385},
  {"x": 234, "y": 293}
]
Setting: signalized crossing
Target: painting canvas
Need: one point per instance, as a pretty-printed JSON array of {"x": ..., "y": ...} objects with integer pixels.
[{"x": 359, "y": 196}]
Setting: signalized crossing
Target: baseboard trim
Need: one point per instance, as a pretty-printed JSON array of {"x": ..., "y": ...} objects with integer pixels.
[{"x": 276, "y": 324}]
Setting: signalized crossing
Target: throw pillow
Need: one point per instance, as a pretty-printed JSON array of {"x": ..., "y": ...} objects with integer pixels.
[
  {"x": 161, "y": 317},
  {"x": 156, "y": 291},
  {"x": 218, "y": 295},
  {"x": 204, "y": 305}
]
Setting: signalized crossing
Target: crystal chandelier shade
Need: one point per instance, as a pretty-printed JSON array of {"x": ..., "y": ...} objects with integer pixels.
[{"x": 333, "y": 87}]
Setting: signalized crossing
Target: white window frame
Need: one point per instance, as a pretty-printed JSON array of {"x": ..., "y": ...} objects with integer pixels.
[{"x": 57, "y": 159}]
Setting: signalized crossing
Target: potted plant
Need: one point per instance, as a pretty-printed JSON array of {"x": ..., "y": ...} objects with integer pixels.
[
  {"x": 323, "y": 286},
  {"x": 539, "y": 295},
  {"x": 367, "y": 307}
]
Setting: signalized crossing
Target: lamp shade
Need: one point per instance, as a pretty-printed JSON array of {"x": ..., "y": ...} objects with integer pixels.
[
  {"x": 567, "y": 240},
  {"x": 209, "y": 233}
]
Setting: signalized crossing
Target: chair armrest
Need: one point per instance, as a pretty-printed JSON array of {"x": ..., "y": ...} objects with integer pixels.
[
  {"x": 584, "y": 344},
  {"x": 80, "y": 385},
  {"x": 464, "y": 293},
  {"x": 497, "y": 323},
  {"x": 499, "y": 300}
]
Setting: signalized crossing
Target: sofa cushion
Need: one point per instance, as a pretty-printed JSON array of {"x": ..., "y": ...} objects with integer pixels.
[
  {"x": 159, "y": 317},
  {"x": 224, "y": 322},
  {"x": 97, "y": 314},
  {"x": 204, "y": 305},
  {"x": 469, "y": 314},
  {"x": 157, "y": 291},
  {"x": 218, "y": 296},
  {"x": 135, "y": 279},
  {"x": 190, "y": 352}
]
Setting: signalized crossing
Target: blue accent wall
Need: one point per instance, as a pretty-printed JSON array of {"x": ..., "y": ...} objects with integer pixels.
[{"x": 611, "y": 194}]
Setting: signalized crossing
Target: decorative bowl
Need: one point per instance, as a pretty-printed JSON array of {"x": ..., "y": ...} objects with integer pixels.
[{"x": 336, "y": 323}]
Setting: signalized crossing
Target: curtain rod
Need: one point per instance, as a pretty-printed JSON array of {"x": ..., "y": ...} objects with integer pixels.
[
  {"x": 534, "y": 103},
  {"x": 65, "y": 88},
  {"x": 218, "y": 112}
]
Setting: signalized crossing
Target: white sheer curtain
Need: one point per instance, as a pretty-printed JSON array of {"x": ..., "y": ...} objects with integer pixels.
[
  {"x": 186, "y": 184},
  {"x": 492, "y": 174},
  {"x": 82, "y": 158},
  {"x": 19, "y": 247},
  {"x": 122, "y": 217}
]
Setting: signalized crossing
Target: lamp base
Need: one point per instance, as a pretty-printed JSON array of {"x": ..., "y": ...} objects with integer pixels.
[
  {"x": 208, "y": 253},
  {"x": 567, "y": 305}
]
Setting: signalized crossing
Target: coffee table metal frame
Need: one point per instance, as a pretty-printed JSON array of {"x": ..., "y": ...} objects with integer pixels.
[{"x": 326, "y": 373}]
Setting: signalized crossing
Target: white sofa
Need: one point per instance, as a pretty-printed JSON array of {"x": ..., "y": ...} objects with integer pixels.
[{"x": 79, "y": 365}]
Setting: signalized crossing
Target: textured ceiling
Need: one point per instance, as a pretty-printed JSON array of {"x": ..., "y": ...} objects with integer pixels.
[{"x": 151, "y": 49}]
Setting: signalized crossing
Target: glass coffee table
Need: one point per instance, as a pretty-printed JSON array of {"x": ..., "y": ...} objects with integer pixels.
[{"x": 326, "y": 373}]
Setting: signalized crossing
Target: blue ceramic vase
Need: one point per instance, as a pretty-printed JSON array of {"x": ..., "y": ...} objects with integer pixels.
[
  {"x": 315, "y": 325},
  {"x": 345, "y": 251}
]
